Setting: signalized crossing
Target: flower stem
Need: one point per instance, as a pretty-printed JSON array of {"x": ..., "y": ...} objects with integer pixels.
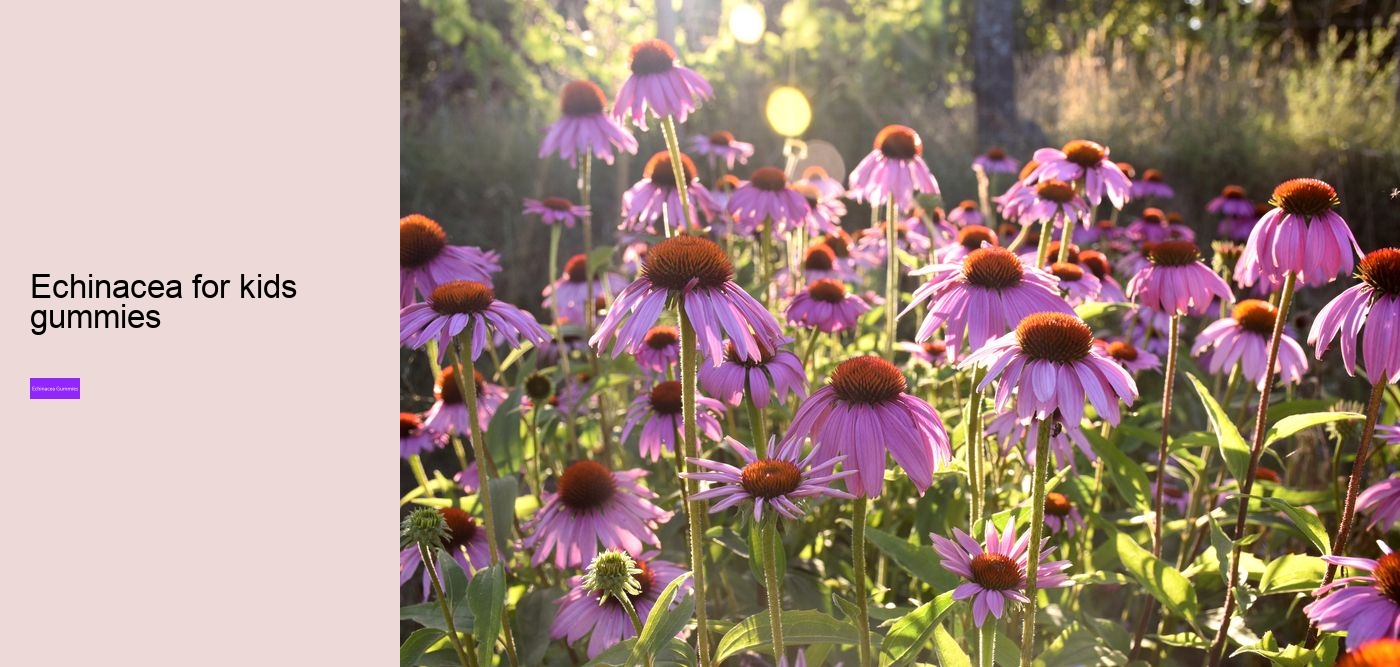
[
  {"x": 428, "y": 562},
  {"x": 975, "y": 457},
  {"x": 773, "y": 583},
  {"x": 987, "y": 644},
  {"x": 1217, "y": 649},
  {"x": 862, "y": 593},
  {"x": 690, "y": 356},
  {"x": 1042, "y": 251},
  {"x": 632, "y": 616},
  {"x": 1358, "y": 472},
  {"x": 415, "y": 462},
  {"x": 468, "y": 388},
  {"x": 570, "y": 434},
  {"x": 1173, "y": 341},
  {"x": 756, "y": 424},
  {"x": 673, "y": 148},
  {"x": 891, "y": 278},
  {"x": 1042, "y": 461},
  {"x": 1066, "y": 235},
  {"x": 585, "y": 195}
]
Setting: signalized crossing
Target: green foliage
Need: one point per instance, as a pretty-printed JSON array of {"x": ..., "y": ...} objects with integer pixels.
[
  {"x": 911, "y": 633},
  {"x": 799, "y": 627}
]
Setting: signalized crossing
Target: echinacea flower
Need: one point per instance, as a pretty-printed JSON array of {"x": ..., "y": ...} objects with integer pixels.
[
  {"x": 970, "y": 237},
  {"x": 1301, "y": 234},
  {"x": 1375, "y": 653},
  {"x": 997, "y": 572},
  {"x": 1087, "y": 160},
  {"x": 995, "y": 161},
  {"x": 555, "y": 210},
  {"x": 829, "y": 187},
  {"x": 894, "y": 170},
  {"x": 1366, "y": 606},
  {"x": 863, "y": 413},
  {"x": 1155, "y": 226},
  {"x": 594, "y": 505},
  {"x": 1055, "y": 202},
  {"x": 413, "y": 438},
  {"x": 585, "y": 613},
  {"x": 824, "y": 213},
  {"x": 426, "y": 261},
  {"x": 966, "y": 213},
  {"x": 1079, "y": 286},
  {"x": 660, "y": 349},
  {"x": 1013, "y": 431},
  {"x": 658, "y": 413},
  {"x": 1051, "y": 358},
  {"x": 1388, "y": 433},
  {"x": 825, "y": 305},
  {"x": 909, "y": 237},
  {"x": 656, "y": 199},
  {"x": 1151, "y": 185},
  {"x": 722, "y": 145},
  {"x": 781, "y": 481},
  {"x": 456, "y": 306},
  {"x": 448, "y": 415},
  {"x": 932, "y": 352},
  {"x": 1097, "y": 263},
  {"x": 1131, "y": 358},
  {"x": 583, "y": 127},
  {"x": 819, "y": 262},
  {"x": 1017, "y": 195},
  {"x": 983, "y": 296},
  {"x": 660, "y": 85},
  {"x": 1176, "y": 282},
  {"x": 1382, "y": 501},
  {"x": 698, "y": 276},
  {"x": 465, "y": 543},
  {"x": 778, "y": 372},
  {"x": 571, "y": 290},
  {"x": 766, "y": 200},
  {"x": 1368, "y": 313},
  {"x": 1146, "y": 328},
  {"x": 1243, "y": 338},
  {"x": 1061, "y": 515},
  {"x": 1232, "y": 203}
]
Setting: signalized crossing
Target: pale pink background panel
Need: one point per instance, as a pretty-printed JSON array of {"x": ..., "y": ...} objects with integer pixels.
[{"x": 218, "y": 495}]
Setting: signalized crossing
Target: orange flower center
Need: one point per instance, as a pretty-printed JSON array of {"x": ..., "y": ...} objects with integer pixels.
[
  {"x": 661, "y": 337},
  {"x": 868, "y": 380},
  {"x": 995, "y": 153},
  {"x": 652, "y": 56},
  {"x": 770, "y": 179},
  {"x": 461, "y": 297},
  {"x": 1057, "y": 504},
  {"x": 973, "y": 236},
  {"x": 1305, "y": 196},
  {"x": 899, "y": 142},
  {"x": 1387, "y": 574},
  {"x": 666, "y": 398},
  {"x": 827, "y": 290},
  {"x": 577, "y": 268},
  {"x": 675, "y": 262},
  {"x": 1096, "y": 262},
  {"x": 1383, "y": 652},
  {"x": 461, "y": 526},
  {"x": 1056, "y": 191},
  {"x": 995, "y": 572},
  {"x": 586, "y": 485},
  {"x": 449, "y": 392},
  {"x": 409, "y": 424},
  {"x": 994, "y": 268},
  {"x": 819, "y": 257},
  {"x": 1152, "y": 176},
  {"x": 420, "y": 240},
  {"x": 1232, "y": 192},
  {"x": 1067, "y": 271},
  {"x": 1122, "y": 351},
  {"x": 1055, "y": 337},
  {"x": 1381, "y": 270},
  {"x": 1174, "y": 253},
  {"x": 582, "y": 98},
  {"x": 662, "y": 174},
  {"x": 1256, "y": 316},
  {"x": 1084, "y": 153},
  {"x": 721, "y": 138},
  {"x": 770, "y": 478}
]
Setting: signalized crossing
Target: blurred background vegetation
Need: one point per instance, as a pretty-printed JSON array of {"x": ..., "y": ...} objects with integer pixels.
[{"x": 1210, "y": 92}]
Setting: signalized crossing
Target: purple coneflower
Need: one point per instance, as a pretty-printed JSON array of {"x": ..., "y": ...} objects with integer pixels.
[
  {"x": 658, "y": 412},
  {"x": 825, "y": 305},
  {"x": 720, "y": 193},
  {"x": 1243, "y": 338},
  {"x": 1089, "y": 161},
  {"x": 594, "y": 505},
  {"x": 864, "y": 412},
  {"x": 1389, "y": 434},
  {"x": 1061, "y": 514},
  {"x": 779, "y": 372},
  {"x": 583, "y": 127},
  {"x": 660, "y": 350},
  {"x": 970, "y": 237},
  {"x": 1079, "y": 286},
  {"x": 1151, "y": 185},
  {"x": 553, "y": 210},
  {"x": 894, "y": 170},
  {"x": 426, "y": 261},
  {"x": 722, "y": 145},
  {"x": 1375, "y": 653},
  {"x": 413, "y": 438},
  {"x": 448, "y": 415},
  {"x": 465, "y": 543},
  {"x": 780, "y": 481},
  {"x": 1382, "y": 501},
  {"x": 818, "y": 262},
  {"x": 1128, "y": 356},
  {"x": 932, "y": 352},
  {"x": 1301, "y": 234},
  {"x": 1097, "y": 263},
  {"x": 1054, "y": 202},
  {"x": 966, "y": 213},
  {"x": 1012, "y": 202},
  {"x": 1369, "y": 610},
  {"x": 830, "y": 188},
  {"x": 1011, "y": 431},
  {"x": 572, "y": 289},
  {"x": 1177, "y": 282},
  {"x": 983, "y": 296},
  {"x": 1051, "y": 357},
  {"x": 1232, "y": 203},
  {"x": 453, "y": 307},
  {"x": 584, "y": 613},
  {"x": 766, "y": 198},
  {"x": 697, "y": 274},
  {"x": 996, "y": 572},
  {"x": 995, "y": 161},
  {"x": 1373, "y": 304},
  {"x": 909, "y": 237},
  {"x": 656, "y": 199},
  {"x": 825, "y": 213},
  {"x": 1155, "y": 226},
  {"x": 659, "y": 84}
]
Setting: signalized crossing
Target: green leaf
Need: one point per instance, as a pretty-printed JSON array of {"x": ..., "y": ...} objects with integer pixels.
[
  {"x": 911, "y": 632},
  {"x": 847, "y": 607},
  {"x": 916, "y": 560},
  {"x": 502, "y": 435},
  {"x": 1092, "y": 309},
  {"x": 674, "y": 652},
  {"x": 799, "y": 627},
  {"x": 1185, "y": 640},
  {"x": 1307, "y": 522},
  {"x": 1223, "y": 548},
  {"x": 1161, "y": 580},
  {"x": 486, "y": 596},
  {"x": 755, "y": 546},
  {"x": 418, "y": 644},
  {"x": 533, "y": 615},
  {"x": 665, "y": 621},
  {"x": 504, "y": 491},
  {"x": 1290, "y": 425},
  {"x": 1233, "y": 448},
  {"x": 1292, "y": 573},
  {"x": 1128, "y": 477},
  {"x": 949, "y": 653},
  {"x": 1295, "y": 655}
]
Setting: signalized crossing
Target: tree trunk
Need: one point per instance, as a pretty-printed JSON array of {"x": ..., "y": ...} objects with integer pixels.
[{"x": 994, "y": 71}]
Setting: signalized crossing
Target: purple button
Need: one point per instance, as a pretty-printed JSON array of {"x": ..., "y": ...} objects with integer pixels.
[{"x": 54, "y": 388}]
